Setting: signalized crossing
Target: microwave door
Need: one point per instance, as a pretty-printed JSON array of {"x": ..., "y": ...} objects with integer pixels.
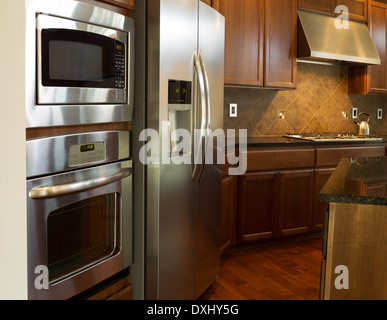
[{"x": 79, "y": 63}]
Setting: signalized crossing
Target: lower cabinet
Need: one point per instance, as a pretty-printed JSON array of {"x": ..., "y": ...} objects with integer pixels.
[
  {"x": 321, "y": 176},
  {"x": 275, "y": 204},
  {"x": 229, "y": 211},
  {"x": 295, "y": 203},
  {"x": 258, "y": 206},
  {"x": 278, "y": 196}
]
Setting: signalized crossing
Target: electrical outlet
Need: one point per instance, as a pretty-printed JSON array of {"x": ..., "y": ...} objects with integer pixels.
[
  {"x": 380, "y": 114},
  {"x": 354, "y": 113},
  {"x": 233, "y": 110}
]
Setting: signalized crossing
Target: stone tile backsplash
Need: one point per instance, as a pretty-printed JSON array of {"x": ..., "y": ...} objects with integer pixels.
[{"x": 319, "y": 104}]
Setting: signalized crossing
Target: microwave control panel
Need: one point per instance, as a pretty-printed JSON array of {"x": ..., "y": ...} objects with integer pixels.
[
  {"x": 86, "y": 153},
  {"x": 120, "y": 65}
]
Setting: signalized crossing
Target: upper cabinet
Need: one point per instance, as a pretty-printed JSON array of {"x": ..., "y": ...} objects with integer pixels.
[
  {"x": 127, "y": 4},
  {"x": 321, "y": 6},
  {"x": 280, "y": 44},
  {"x": 357, "y": 8},
  {"x": 261, "y": 42},
  {"x": 372, "y": 79},
  {"x": 244, "y": 47}
]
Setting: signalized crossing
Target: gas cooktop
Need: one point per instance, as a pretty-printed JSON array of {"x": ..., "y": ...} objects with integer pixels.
[{"x": 329, "y": 136}]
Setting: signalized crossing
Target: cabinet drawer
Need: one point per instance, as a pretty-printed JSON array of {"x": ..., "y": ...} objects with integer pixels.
[
  {"x": 264, "y": 160},
  {"x": 330, "y": 157}
]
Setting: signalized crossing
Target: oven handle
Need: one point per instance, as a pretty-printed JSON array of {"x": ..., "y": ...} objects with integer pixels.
[{"x": 56, "y": 191}]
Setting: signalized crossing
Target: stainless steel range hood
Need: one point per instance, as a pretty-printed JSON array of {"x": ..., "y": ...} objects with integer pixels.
[{"x": 320, "y": 40}]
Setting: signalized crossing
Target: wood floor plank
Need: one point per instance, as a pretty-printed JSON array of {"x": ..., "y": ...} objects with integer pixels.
[{"x": 282, "y": 272}]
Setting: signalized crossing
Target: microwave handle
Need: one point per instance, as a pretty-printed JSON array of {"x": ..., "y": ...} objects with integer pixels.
[{"x": 56, "y": 191}]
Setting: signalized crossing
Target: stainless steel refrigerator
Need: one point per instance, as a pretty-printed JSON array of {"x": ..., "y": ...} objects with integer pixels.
[{"x": 184, "y": 89}]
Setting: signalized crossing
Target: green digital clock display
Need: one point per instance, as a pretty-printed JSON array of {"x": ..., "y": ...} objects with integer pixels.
[{"x": 88, "y": 147}]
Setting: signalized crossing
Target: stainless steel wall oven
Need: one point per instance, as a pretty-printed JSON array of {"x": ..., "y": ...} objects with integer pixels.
[
  {"x": 80, "y": 64},
  {"x": 79, "y": 208}
]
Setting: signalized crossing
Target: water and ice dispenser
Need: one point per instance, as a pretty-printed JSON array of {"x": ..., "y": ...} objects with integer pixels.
[{"x": 179, "y": 110}]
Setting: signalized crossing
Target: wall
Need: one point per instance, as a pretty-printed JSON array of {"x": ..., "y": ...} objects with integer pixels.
[
  {"x": 13, "y": 230},
  {"x": 320, "y": 104}
]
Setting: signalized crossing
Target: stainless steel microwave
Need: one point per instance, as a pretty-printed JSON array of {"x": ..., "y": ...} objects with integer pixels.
[{"x": 80, "y": 62}]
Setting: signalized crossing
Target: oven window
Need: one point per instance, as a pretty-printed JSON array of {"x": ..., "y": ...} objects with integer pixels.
[
  {"x": 82, "y": 234},
  {"x": 73, "y": 58}
]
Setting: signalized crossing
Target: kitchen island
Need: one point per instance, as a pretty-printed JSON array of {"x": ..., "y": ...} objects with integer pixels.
[{"x": 354, "y": 265}]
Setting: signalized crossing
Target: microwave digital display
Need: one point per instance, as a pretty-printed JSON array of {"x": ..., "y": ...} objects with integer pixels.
[{"x": 73, "y": 58}]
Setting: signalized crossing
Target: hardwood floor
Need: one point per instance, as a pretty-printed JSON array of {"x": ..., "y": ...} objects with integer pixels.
[{"x": 283, "y": 272}]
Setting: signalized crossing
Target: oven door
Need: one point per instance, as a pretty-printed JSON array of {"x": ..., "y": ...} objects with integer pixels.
[{"x": 79, "y": 229}]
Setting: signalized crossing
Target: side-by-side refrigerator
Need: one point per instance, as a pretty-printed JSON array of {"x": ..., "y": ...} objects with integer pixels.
[{"x": 184, "y": 90}]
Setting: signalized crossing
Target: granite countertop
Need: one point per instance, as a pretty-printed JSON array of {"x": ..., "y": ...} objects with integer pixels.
[
  {"x": 358, "y": 181},
  {"x": 273, "y": 141}
]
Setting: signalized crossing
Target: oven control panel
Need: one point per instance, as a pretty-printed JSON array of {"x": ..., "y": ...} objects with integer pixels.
[{"x": 87, "y": 153}]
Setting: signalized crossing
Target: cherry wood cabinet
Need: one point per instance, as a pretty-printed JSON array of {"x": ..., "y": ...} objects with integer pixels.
[
  {"x": 372, "y": 79},
  {"x": 327, "y": 158},
  {"x": 258, "y": 206},
  {"x": 275, "y": 195},
  {"x": 357, "y": 8},
  {"x": 275, "y": 204},
  {"x": 296, "y": 195},
  {"x": 124, "y": 7},
  {"x": 279, "y": 194},
  {"x": 330, "y": 156},
  {"x": 208, "y": 2},
  {"x": 127, "y": 4},
  {"x": 229, "y": 210},
  {"x": 320, "y": 6},
  {"x": 244, "y": 41},
  {"x": 260, "y": 42},
  {"x": 280, "y": 44},
  {"x": 321, "y": 176}
]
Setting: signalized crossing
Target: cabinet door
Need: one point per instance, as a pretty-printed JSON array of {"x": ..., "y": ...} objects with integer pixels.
[
  {"x": 321, "y": 176},
  {"x": 372, "y": 79},
  {"x": 244, "y": 41},
  {"x": 208, "y": 2},
  {"x": 296, "y": 192},
  {"x": 321, "y": 6},
  {"x": 258, "y": 210},
  {"x": 281, "y": 43},
  {"x": 377, "y": 24},
  {"x": 357, "y": 8},
  {"x": 228, "y": 220}
]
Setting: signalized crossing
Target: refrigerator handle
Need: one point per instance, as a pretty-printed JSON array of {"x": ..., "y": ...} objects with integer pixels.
[
  {"x": 198, "y": 163},
  {"x": 208, "y": 113}
]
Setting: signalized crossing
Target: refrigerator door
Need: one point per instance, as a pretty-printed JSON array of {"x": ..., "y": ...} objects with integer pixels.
[
  {"x": 211, "y": 49},
  {"x": 171, "y": 200}
]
